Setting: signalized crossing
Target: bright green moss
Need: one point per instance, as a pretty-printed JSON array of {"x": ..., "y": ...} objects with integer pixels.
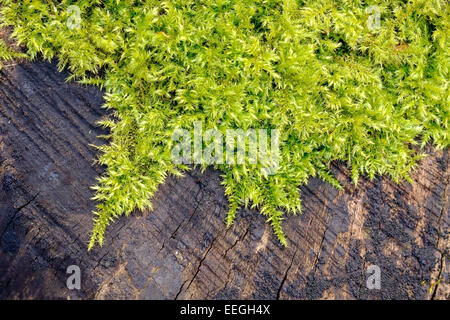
[
  {"x": 334, "y": 86},
  {"x": 6, "y": 54}
]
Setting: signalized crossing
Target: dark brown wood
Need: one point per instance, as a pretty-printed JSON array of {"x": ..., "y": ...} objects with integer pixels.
[{"x": 182, "y": 249}]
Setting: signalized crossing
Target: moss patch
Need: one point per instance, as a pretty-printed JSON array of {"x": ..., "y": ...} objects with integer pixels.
[{"x": 359, "y": 81}]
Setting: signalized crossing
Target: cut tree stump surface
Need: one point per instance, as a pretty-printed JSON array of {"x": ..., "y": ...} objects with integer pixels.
[{"x": 182, "y": 249}]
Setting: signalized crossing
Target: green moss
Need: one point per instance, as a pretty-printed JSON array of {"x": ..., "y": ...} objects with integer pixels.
[
  {"x": 6, "y": 54},
  {"x": 336, "y": 86}
]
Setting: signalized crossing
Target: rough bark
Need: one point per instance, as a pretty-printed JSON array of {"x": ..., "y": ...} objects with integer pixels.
[{"x": 182, "y": 250}]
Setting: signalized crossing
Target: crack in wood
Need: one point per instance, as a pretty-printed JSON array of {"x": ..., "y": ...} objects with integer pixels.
[
  {"x": 197, "y": 270},
  {"x": 285, "y": 275},
  {"x": 20, "y": 208}
]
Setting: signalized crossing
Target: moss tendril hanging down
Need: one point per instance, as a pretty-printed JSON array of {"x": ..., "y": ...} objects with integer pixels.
[{"x": 335, "y": 85}]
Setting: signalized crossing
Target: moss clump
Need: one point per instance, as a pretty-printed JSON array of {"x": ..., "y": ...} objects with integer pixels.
[
  {"x": 337, "y": 82},
  {"x": 7, "y": 54}
]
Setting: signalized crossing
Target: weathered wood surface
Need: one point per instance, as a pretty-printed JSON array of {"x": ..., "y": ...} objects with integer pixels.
[{"x": 182, "y": 249}]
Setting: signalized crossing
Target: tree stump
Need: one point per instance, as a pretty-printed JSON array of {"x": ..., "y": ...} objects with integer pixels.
[{"x": 182, "y": 249}]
